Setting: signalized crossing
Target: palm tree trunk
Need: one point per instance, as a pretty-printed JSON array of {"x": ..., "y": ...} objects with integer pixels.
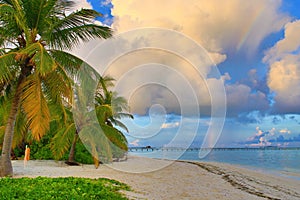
[
  {"x": 6, "y": 165},
  {"x": 71, "y": 158},
  {"x": 95, "y": 156}
]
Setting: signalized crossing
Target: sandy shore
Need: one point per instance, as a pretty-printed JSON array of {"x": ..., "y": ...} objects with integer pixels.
[{"x": 159, "y": 179}]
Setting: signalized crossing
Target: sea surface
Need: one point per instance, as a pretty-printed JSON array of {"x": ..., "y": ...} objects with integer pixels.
[{"x": 280, "y": 162}]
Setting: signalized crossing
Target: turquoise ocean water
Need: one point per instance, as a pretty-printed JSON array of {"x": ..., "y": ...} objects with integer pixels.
[{"x": 282, "y": 162}]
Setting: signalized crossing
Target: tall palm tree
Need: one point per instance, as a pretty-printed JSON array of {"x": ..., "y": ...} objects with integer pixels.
[{"x": 34, "y": 37}]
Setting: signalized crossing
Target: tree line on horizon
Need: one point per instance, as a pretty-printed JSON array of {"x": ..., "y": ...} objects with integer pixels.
[{"x": 46, "y": 90}]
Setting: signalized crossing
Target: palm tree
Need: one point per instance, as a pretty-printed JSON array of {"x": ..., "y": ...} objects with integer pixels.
[
  {"x": 67, "y": 136},
  {"x": 110, "y": 108},
  {"x": 64, "y": 130},
  {"x": 34, "y": 37}
]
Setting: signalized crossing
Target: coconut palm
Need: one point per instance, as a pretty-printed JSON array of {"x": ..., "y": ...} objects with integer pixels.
[
  {"x": 110, "y": 108},
  {"x": 105, "y": 139},
  {"x": 34, "y": 38}
]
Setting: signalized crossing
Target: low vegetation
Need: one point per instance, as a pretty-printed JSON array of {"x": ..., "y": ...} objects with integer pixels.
[{"x": 61, "y": 188}]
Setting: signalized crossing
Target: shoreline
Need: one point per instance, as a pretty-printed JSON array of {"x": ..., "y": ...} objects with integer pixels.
[
  {"x": 273, "y": 172},
  {"x": 243, "y": 179},
  {"x": 279, "y": 165},
  {"x": 165, "y": 179}
]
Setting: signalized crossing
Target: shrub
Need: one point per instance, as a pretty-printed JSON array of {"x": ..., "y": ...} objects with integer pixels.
[{"x": 61, "y": 188}]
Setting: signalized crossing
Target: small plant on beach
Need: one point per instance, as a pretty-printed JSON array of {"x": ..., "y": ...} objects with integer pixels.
[
  {"x": 61, "y": 188},
  {"x": 35, "y": 67}
]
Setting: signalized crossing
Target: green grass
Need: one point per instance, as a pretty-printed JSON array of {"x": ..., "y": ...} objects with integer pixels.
[{"x": 61, "y": 188}]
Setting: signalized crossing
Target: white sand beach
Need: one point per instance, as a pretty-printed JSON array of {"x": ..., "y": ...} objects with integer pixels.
[{"x": 160, "y": 179}]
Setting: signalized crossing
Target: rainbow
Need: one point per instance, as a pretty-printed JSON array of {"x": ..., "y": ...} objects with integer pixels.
[{"x": 248, "y": 29}]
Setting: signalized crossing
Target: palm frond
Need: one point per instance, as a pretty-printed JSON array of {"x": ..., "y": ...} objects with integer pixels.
[
  {"x": 5, "y": 2},
  {"x": 107, "y": 81},
  {"x": 109, "y": 106},
  {"x": 70, "y": 63},
  {"x": 9, "y": 31},
  {"x": 115, "y": 136},
  {"x": 5, "y": 8},
  {"x": 103, "y": 85},
  {"x": 71, "y": 37},
  {"x": 20, "y": 19},
  {"x": 62, "y": 140},
  {"x": 7, "y": 63},
  {"x": 95, "y": 141},
  {"x": 77, "y": 18},
  {"x": 36, "y": 12},
  {"x": 35, "y": 106},
  {"x": 99, "y": 98},
  {"x": 2, "y": 51},
  {"x": 57, "y": 86},
  {"x": 84, "y": 88},
  {"x": 119, "y": 124},
  {"x": 67, "y": 32},
  {"x": 43, "y": 61},
  {"x": 60, "y": 114},
  {"x": 21, "y": 129},
  {"x": 123, "y": 115},
  {"x": 103, "y": 112},
  {"x": 119, "y": 103}
]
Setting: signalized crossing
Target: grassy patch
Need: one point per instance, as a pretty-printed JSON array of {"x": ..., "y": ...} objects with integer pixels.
[{"x": 61, "y": 188}]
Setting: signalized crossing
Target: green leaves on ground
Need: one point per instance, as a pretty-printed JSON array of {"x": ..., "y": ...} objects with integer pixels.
[{"x": 61, "y": 188}]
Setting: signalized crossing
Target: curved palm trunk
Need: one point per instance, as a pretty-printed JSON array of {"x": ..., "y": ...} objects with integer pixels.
[
  {"x": 71, "y": 158},
  {"x": 6, "y": 166}
]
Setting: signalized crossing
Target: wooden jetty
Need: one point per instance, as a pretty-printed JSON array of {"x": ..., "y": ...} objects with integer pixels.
[{"x": 149, "y": 148}]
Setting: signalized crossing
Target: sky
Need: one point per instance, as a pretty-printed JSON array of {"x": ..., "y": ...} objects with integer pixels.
[{"x": 203, "y": 73}]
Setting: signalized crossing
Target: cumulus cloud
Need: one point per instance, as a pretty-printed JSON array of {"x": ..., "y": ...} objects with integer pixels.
[
  {"x": 241, "y": 99},
  {"x": 276, "y": 137},
  {"x": 221, "y": 27},
  {"x": 217, "y": 25},
  {"x": 259, "y": 133},
  {"x": 289, "y": 44},
  {"x": 247, "y": 98},
  {"x": 284, "y": 73},
  {"x": 261, "y": 138},
  {"x": 147, "y": 76},
  {"x": 284, "y": 80}
]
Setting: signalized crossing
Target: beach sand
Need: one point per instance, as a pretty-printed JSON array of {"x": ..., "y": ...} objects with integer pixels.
[{"x": 161, "y": 179}]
